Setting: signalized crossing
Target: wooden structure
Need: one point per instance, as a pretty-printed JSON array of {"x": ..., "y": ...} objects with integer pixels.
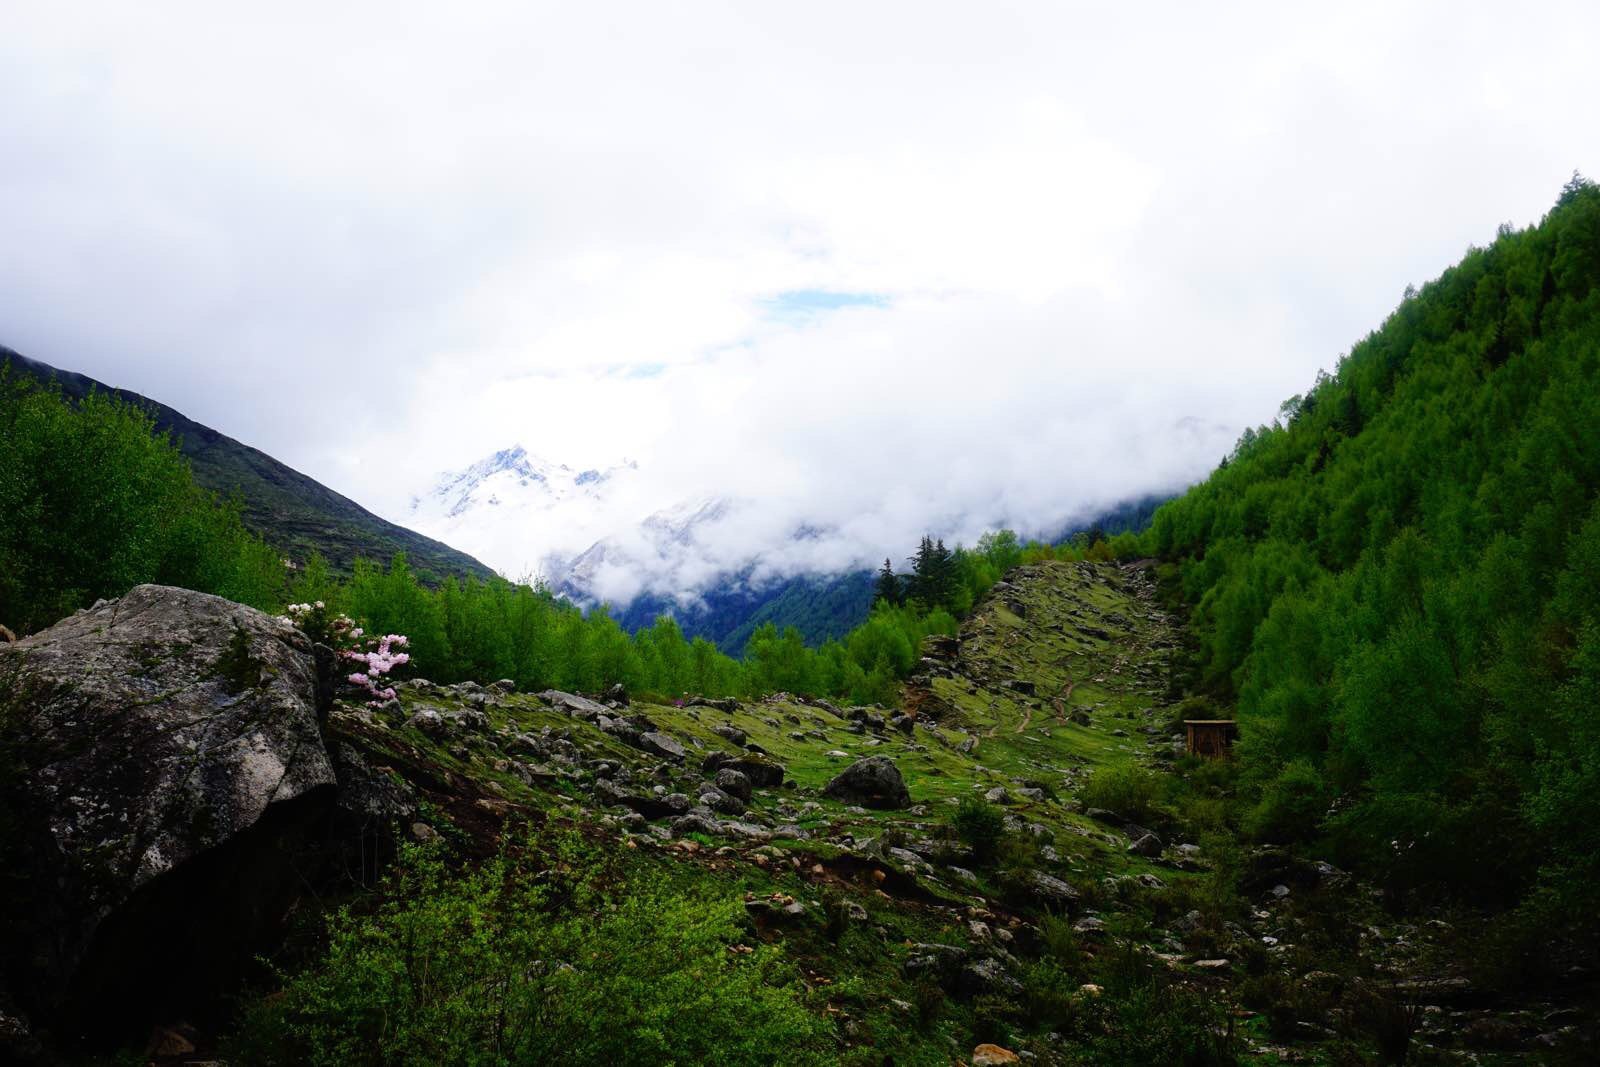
[{"x": 1211, "y": 737}]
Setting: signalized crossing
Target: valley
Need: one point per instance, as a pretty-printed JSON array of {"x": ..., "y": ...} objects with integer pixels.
[{"x": 1022, "y": 856}]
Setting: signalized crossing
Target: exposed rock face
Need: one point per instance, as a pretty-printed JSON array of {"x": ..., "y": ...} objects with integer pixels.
[
  {"x": 164, "y": 750},
  {"x": 873, "y": 782}
]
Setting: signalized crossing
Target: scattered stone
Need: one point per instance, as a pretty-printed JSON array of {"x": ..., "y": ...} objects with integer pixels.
[
  {"x": 873, "y": 782},
  {"x": 935, "y": 961},
  {"x": 1145, "y": 845},
  {"x": 662, "y": 745},
  {"x": 576, "y": 706},
  {"x": 1049, "y": 890},
  {"x": 429, "y": 721},
  {"x": 763, "y": 771},
  {"x": 733, "y": 782},
  {"x": 986, "y": 977},
  {"x": 998, "y": 795}
]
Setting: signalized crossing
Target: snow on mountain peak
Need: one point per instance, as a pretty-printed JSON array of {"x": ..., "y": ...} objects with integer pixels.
[{"x": 509, "y": 476}]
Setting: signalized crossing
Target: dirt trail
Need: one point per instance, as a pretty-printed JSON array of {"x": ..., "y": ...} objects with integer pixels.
[{"x": 1061, "y": 700}]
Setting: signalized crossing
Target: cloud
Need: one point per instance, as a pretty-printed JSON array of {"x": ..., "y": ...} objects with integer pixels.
[{"x": 876, "y": 269}]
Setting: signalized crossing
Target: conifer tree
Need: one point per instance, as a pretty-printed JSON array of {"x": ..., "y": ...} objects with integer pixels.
[
  {"x": 942, "y": 575},
  {"x": 888, "y": 590}
]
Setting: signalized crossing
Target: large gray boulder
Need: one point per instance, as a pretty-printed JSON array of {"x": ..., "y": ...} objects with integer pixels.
[
  {"x": 873, "y": 782},
  {"x": 164, "y": 758},
  {"x": 573, "y": 704}
]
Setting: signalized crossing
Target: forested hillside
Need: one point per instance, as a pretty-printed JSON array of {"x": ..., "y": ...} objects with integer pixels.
[
  {"x": 295, "y": 514},
  {"x": 1400, "y": 582}
]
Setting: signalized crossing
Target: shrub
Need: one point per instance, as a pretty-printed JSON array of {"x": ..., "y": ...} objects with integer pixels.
[
  {"x": 980, "y": 825},
  {"x": 1128, "y": 791},
  {"x": 516, "y": 964},
  {"x": 1291, "y": 805}
]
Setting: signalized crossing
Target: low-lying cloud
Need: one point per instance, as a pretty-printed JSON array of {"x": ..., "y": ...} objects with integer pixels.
[{"x": 870, "y": 270}]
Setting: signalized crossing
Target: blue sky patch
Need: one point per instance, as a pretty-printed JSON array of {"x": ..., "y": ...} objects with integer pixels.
[{"x": 801, "y": 304}]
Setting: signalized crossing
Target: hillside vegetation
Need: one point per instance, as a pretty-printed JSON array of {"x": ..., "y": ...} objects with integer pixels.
[
  {"x": 295, "y": 514},
  {"x": 1400, "y": 582}
]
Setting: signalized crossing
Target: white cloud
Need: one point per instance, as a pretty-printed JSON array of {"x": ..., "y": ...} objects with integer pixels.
[{"x": 381, "y": 240}]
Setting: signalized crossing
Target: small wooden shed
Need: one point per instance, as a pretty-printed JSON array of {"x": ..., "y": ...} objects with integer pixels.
[{"x": 1211, "y": 737}]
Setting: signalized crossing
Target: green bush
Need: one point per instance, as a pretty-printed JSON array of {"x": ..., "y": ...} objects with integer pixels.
[
  {"x": 566, "y": 959},
  {"x": 1291, "y": 805},
  {"x": 980, "y": 825},
  {"x": 1128, "y": 791}
]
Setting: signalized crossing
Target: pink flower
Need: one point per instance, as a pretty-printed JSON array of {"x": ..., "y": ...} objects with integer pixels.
[{"x": 360, "y": 679}]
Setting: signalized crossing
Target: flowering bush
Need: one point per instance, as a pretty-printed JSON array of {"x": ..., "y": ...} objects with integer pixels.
[
  {"x": 376, "y": 655},
  {"x": 379, "y": 658}
]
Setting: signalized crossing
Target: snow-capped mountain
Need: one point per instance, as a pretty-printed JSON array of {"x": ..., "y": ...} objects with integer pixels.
[
  {"x": 513, "y": 477},
  {"x": 514, "y": 508}
]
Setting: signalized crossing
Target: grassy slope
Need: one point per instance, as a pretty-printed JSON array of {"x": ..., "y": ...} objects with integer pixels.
[{"x": 1093, "y": 627}]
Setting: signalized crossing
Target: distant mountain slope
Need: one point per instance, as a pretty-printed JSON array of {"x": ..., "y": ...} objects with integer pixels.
[
  {"x": 288, "y": 509},
  {"x": 819, "y": 606}
]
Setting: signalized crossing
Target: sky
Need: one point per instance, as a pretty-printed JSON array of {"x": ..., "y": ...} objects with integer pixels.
[{"x": 869, "y": 268}]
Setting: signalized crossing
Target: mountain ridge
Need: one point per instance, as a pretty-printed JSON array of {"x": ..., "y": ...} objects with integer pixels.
[{"x": 290, "y": 510}]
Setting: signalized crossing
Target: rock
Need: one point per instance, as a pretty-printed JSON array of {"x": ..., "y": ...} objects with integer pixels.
[
  {"x": 1145, "y": 845},
  {"x": 993, "y": 1056},
  {"x": 998, "y": 795},
  {"x": 610, "y": 793},
  {"x": 873, "y": 782},
  {"x": 731, "y": 734},
  {"x": 576, "y": 706},
  {"x": 762, "y": 771},
  {"x": 167, "y": 1042},
  {"x": 430, "y": 722},
  {"x": 938, "y": 962},
  {"x": 733, "y": 782},
  {"x": 618, "y": 694},
  {"x": 662, "y": 745},
  {"x": 1018, "y": 685},
  {"x": 986, "y": 977},
  {"x": 370, "y": 809},
  {"x": 1110, "y": 818},
  {"x": 694, "y": 824},
  {"x": 1048, "y": 890},
  {"x": 722, "y": 803},
  {"x": 1211, "y": 965},
  {"x": 168, "y": 767},
  {"x": 503, "y": 685}
]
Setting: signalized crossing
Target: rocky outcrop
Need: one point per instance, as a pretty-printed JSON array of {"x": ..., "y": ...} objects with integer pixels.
[
  {"x": 761, "y": 771},
  {"x": 873, "y": 782},
  {"x": 165, "y": 760}
]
